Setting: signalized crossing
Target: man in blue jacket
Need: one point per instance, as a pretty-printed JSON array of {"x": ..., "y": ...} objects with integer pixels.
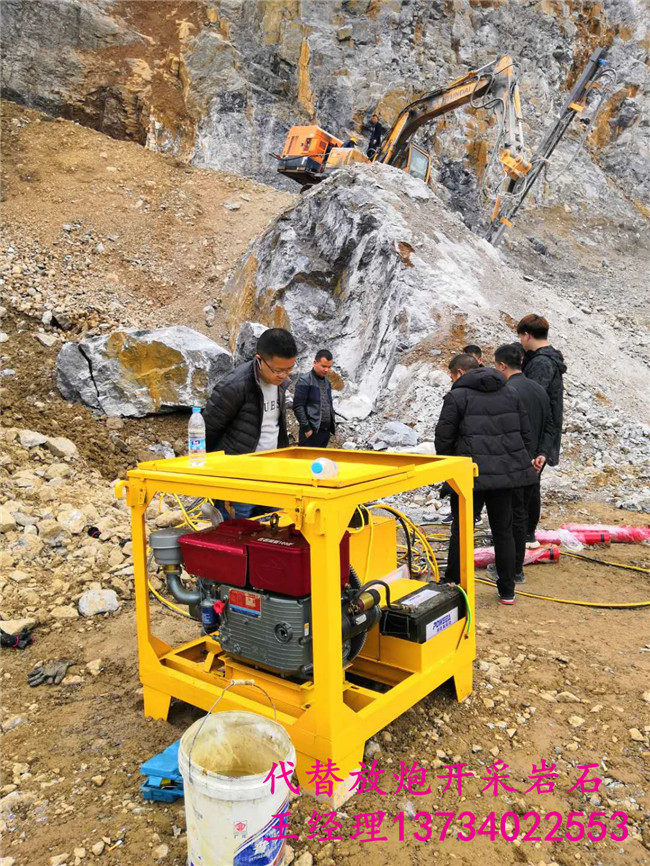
[{"x": 312, "y": 403}]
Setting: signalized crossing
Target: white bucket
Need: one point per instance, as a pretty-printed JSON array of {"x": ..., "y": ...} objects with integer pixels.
[{"x": 228, "y": 807}]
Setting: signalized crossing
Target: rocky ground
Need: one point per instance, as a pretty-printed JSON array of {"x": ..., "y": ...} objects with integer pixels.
[
  {"x": 557, "y": 682},
  {"x": 105, "y": 233}
]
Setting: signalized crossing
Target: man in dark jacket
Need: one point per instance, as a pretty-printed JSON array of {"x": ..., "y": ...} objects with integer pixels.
[
  {"x": 475, "y": 352},
  {"x": 246, "y": 410},
  {"x": 486, "y": 421},
  {"x": 312, "y": 403},
  {"x": 508, "y": 360},
  {"x": 376, "y": 135},
  {"x": 544, "y": 365}
]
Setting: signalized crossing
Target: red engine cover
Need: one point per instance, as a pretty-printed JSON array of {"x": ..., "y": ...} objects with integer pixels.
[
  {"x": 250, "y": 554},
  {"x": 278, "y": 560},
  {"x": 219, "y": 553}
]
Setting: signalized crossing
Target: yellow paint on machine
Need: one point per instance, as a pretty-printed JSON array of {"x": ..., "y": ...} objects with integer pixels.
[{"x": 331, "y": 717}]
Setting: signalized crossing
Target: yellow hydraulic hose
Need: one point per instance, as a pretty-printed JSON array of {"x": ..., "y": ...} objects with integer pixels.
[
  {"x": 605, "y": 604},
  {"x": 419, "y": 534}
]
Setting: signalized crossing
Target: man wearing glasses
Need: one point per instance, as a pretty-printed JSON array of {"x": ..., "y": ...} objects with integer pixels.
[{"x": 246, "y": 410}]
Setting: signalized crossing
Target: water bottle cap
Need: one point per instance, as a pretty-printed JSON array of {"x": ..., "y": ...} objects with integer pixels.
[
  {"x": 196, "y": 409},
  {"x": 316, "y": 467}
]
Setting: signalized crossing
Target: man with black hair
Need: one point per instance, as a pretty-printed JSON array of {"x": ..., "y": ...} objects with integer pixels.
[
  {"x": 475, "y": 352},
  {"x": 486, "y": 421},
  {"x": 312, "y": 403},
  {"x": 246, "y": 410},
  {"x": 508, "y": 361},
  {"x": 544, "y": 365},
  {"x": 376, "y": 135}
]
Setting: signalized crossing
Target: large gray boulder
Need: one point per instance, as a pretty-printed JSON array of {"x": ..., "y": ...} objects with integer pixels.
[
  {"x": 140, "y": 372},
  {"x": 394, "y": 434},
  {"x": 355, "y": 266}
]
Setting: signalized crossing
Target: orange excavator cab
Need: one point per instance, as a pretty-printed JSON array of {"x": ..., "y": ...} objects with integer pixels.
[{"x": 305, "y": 153}]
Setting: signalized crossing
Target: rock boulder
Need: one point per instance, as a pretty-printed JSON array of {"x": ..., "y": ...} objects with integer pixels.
[
  {"x": 355, "y": 266},
  {"x": 394, "y": 435},
  {"x": 97, "y": 601},
  {"x": 140, "y": 372},
  {"x": 247, "y": 338}
]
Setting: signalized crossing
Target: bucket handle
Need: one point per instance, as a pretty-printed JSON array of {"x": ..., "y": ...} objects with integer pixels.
[{"x": 207, "y": 715}]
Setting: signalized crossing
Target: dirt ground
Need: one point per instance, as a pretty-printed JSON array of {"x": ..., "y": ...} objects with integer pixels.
[
  {"x": 110, "y": 235},
  {"x": 529, "y": 659},
  {"x": 167, "y": 238}
]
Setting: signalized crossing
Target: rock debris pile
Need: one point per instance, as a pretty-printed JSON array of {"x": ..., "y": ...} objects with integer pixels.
[{"x": 59, "y": 515}]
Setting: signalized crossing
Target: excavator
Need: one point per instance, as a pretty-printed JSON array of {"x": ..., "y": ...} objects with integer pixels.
[{"x": 310, "y": 154}]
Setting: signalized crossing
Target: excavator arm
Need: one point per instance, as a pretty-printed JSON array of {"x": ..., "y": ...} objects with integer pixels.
[
  {"x": 515, "y": 189},
  {"x": 495, "y": 83},
  {"x": 310, "y": 153}
]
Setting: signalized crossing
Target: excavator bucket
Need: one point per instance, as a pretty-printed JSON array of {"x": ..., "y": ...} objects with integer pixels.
[{"x": 341, "y": 156}]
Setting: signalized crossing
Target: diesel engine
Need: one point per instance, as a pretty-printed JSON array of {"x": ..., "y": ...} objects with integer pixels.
[{"x": 253, "y": 587}]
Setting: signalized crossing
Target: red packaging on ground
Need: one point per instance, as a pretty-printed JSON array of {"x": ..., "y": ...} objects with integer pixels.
[
  {"x": 485, "y": 556},
  {"x": 619, "y": 534},
  {"x": 548, "y": 536},
  {"x": 591, "y": 537},
  {"x": 542, "y": 554},
  {"x": 585, "y": 536}
]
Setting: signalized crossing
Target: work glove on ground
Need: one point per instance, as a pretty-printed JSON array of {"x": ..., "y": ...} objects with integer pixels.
[
  {"x": 51, "y": 672},
  {"x": 15, "y": 641}
]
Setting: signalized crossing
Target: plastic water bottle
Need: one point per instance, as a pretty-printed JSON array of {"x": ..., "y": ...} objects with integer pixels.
[
  {"x": 323, "y": 468},
  {"x": 196, "y": 438}
]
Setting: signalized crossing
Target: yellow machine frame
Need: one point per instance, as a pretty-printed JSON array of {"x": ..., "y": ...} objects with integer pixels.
[{"x": 330, "y": 718}]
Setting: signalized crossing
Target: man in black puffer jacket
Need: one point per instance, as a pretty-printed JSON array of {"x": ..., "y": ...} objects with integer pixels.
[
  {"x": 486, "y": 421},
  {"x": 246, "y": 410},
  {"x": 544, "y": 365},
  {"x": 508, "y": 360}
]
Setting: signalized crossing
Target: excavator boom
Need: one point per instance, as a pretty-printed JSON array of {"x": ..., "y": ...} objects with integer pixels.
[{"x": 495, "y": 79}]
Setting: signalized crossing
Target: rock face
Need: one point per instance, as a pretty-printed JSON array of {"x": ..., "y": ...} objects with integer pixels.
[
  {"x": 371, "y": 264},
  {"x": 55, "y": 82},
  {"x": 340, "y": 269},
  {"x": 138, "y": 372},
  {"x": 225, "y": 81},
  {"x": 117, "y": 70},
  {"x": 247, "y": 338}
]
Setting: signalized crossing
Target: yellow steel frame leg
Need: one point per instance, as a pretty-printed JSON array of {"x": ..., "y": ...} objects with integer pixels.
[{"x": 156, "y": 704}]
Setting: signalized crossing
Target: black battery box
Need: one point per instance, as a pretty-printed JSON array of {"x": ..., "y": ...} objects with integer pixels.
[{"x": 424, "y": 613}]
